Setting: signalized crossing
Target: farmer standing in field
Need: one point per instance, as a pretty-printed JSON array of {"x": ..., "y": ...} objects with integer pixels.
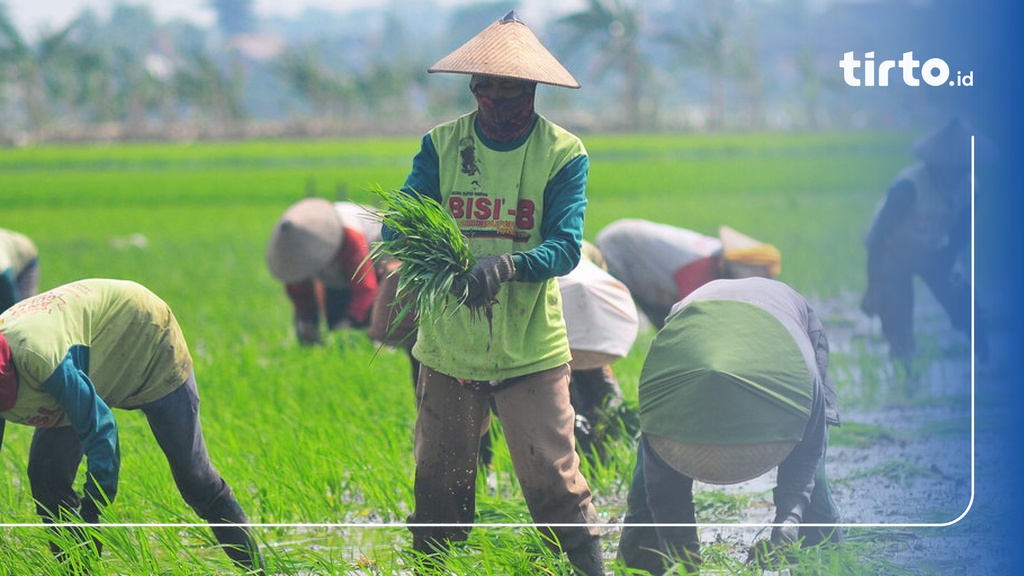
[
  {"x": 318, "y": 250},
  {"x": 735, "y": 384},
  {"x": 661, "y": 264},
  {"x": 19, "y": 268},
  {"x": 515, "y": 184},
  {"x": 69, "y": 355},
  {"x": 922, "y": 228}
]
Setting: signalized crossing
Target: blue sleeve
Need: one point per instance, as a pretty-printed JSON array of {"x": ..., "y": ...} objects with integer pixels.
[
  {"x": 565, "y": 202},
  {"x": 8, "y": 290},
  {"x": 424, "y": 179},
  {"x": 91, "y": 419}
]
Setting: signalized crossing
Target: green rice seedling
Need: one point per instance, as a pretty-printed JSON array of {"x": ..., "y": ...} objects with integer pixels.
[
  {"x": 720, "y": 505},
  {"x": 433, "y": 251},
  {"x": 324, "y": 435},
  {"x": 858, "y": 435}
]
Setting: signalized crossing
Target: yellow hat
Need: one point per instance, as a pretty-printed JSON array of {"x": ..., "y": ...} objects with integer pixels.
[
  {"x": 509, "y": 49},
  {"x": 744, "y": 256}
]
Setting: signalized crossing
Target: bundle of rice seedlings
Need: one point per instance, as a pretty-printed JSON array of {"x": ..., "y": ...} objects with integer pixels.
[{"x": 433, "y": 251}]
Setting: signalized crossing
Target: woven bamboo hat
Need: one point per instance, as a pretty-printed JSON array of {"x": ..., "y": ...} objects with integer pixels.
[
  {"x": 304, "y": 240},
  {"x": 725, "y": 393},
  {"x": 509, "y": 49},
  {"x": 715, "y": 464}
]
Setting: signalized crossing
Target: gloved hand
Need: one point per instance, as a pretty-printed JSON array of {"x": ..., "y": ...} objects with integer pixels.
[{"x": 481, "y": 284}]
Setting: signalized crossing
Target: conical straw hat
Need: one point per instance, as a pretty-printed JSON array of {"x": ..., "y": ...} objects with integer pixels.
[
  {"x": 507, "y": 48},
  {"x": 717, "y": 464},
  {"x": 725, "y": 392},
  {"x": 950, "y": 145},
  {"x": 745, "y": 256},
  {"x": 304, "y": 240}
]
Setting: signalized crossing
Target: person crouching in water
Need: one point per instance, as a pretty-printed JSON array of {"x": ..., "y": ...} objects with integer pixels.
[
  {"x": 735, "y": 384},
  {"x": 69, "y": 355}
]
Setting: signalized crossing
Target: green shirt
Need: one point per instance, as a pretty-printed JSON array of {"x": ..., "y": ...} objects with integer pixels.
[
  {"x": 85, "y": 347},
  {"x": 497, "y": 200}
]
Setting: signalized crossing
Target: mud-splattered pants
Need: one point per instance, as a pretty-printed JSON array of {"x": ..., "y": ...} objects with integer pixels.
[{"x": 537, "y": 420}]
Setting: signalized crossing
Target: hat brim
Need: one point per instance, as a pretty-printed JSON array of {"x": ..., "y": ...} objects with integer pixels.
[
  {"x": 507, "y": 49},
  {"x": 715, "y": 464}
]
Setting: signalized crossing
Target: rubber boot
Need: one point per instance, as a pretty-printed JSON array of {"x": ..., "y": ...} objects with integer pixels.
[
  {"x": 429, "y": 555},
  {"x": 821, "y": 510},
  {"x": 587, "y": 559},
  {"x": 237, "y": 541},
  {"x": 768, "y": 555}
]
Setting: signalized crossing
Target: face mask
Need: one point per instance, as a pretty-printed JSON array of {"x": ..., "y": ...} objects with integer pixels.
[{"x": 503, "y": 119}]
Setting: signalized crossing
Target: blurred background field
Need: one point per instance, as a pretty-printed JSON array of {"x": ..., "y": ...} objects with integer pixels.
[{"x": 323, "y": 435}]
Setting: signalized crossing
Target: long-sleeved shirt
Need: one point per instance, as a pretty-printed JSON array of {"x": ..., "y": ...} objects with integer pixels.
[
  {"x": 564, "y": 205},
  {"x": 349, "y": 269},
  {"x": 741, "y": 362},
  {"x": 920, "y": 216},
  {"x": 81, "y": 349},
  {"x": 526, "y": 198},
  {"x": 659, "y": 263}
]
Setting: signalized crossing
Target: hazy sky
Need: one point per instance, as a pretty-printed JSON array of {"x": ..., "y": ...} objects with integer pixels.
[{"x": 31, "y": 16}]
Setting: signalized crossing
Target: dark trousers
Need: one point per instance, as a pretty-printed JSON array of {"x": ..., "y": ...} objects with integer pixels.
[
  {"x": 890, "y": 294},
  {"x": 336, "y": 302},
  {"x": 659, "y": 494},
  {"x": 55, "y": 455}
]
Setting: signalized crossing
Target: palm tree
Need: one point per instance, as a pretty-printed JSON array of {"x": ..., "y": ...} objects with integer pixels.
[
  {"x": 215, "y": 94},
  {"x": 35, "y": 70},
  {"x": 705, "y": 42},
  {"x": 614, "y": 27},
  {"x": 326, "y": 93}
]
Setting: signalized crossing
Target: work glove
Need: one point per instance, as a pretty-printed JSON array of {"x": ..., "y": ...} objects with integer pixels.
[{"x": 481, "y": 284}]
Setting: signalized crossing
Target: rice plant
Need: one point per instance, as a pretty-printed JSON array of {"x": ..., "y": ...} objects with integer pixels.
[
  {"x": 323, "y": 436},
  {"x": 433, "y": 251}
]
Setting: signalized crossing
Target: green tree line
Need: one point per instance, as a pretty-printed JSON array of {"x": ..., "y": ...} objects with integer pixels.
[{"x": 709, "y": 65}]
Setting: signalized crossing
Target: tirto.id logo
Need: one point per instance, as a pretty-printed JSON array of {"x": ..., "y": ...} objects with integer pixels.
[{"x": 934, "y": 71}]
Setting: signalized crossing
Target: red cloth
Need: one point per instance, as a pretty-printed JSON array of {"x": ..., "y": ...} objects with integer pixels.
[
  {"x": 304, "y": 298},
  {"x": 357, "y": 267},
  {"x": 8, "y": 378},
  {"x": 695, "y": 274},
  {"x": 307, "y": 295}
]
